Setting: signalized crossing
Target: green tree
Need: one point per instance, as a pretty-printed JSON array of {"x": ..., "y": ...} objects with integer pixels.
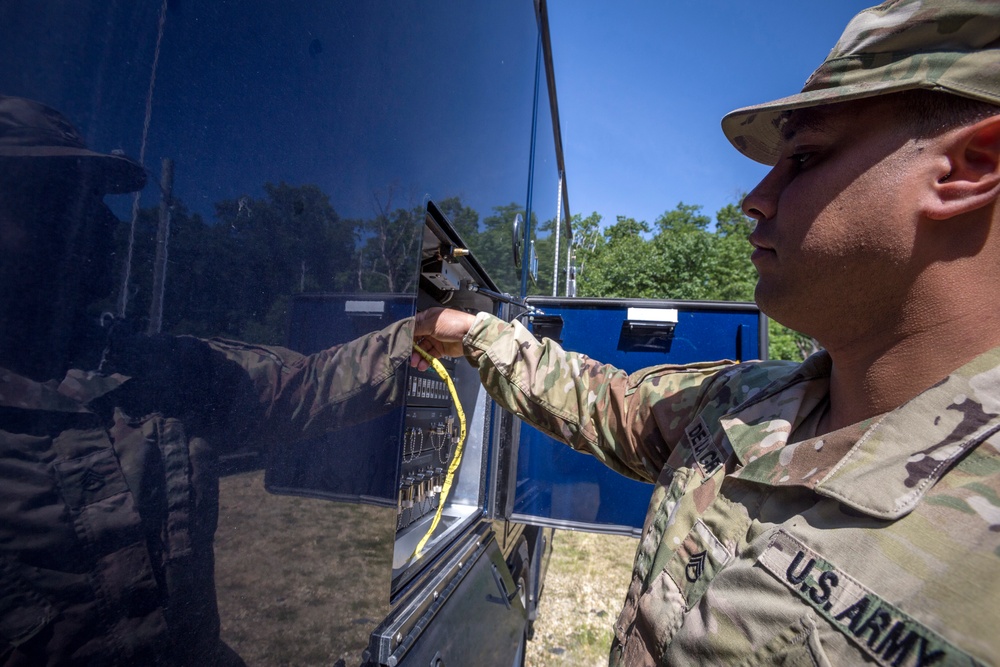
[
  {"x": 732, "y": 277},
  {"x": 263, "y": 250},
  {"x": 545, "y": 246},
  {"x": 685, "y": 253},
  {"x": 785, "y": 343},
  {"x": 463, "y": 218},
  {"x": 674, "y": 264},
  {"x": 622, "y": 263},
  {"x": 389, "y": 248},
  {"x": 234, "y": 276}
]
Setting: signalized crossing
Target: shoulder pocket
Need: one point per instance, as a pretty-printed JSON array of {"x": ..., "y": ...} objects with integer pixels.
[{"x": 696, "y": 562}]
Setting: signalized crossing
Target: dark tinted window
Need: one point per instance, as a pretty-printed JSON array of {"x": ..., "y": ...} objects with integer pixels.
[{"x": 282, "y": 151}]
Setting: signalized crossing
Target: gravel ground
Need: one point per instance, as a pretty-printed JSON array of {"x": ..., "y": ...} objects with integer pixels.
[{"x": 584, "y": 590}]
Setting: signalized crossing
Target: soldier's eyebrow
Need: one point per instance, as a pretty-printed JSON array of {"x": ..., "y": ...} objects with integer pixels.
[{"x": 793, "y": 122}]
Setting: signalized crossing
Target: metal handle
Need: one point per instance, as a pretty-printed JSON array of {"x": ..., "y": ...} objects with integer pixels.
[{"x": 506, "y": 597}]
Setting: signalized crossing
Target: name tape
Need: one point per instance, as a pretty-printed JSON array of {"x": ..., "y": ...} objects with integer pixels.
[{"x": 709, "y": 457}]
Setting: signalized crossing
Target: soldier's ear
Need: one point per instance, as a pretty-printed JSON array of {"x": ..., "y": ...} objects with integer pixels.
[{"x": 968, "y": 175}]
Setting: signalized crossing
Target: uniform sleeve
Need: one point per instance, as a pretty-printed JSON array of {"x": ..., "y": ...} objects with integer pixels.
[
  {"x": 630, "y": 422},
  {"x": 299, "y": 396}
]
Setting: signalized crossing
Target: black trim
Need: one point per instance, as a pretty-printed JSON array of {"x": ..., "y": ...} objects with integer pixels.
[
  {"x": 445, "y": 231},
  {"x": 550, "y": 78}
]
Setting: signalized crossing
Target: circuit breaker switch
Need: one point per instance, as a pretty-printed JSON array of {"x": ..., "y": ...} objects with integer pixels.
[{"x": 406, "y": 490}]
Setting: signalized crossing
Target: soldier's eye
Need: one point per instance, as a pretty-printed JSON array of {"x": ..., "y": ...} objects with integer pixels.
[{"x": 801, "y": 158}]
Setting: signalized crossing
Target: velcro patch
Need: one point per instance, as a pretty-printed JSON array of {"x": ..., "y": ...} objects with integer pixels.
[
  {"x": 708, "y": 457},
  {"x": 889, "y": 636},
  {"x": 697, "y": 560}
]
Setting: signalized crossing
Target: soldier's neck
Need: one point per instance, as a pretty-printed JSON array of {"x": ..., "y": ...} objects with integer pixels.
[{"x": 866, "y": 381}]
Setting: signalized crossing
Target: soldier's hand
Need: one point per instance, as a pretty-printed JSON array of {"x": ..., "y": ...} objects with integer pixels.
[{"x": 439, "y": 332}]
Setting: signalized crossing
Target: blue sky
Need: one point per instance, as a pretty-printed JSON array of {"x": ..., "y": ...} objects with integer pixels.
[{"x": 643, "y": 84}]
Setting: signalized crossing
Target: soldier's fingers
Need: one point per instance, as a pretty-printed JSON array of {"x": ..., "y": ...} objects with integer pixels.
[
  {"x": 428, "y": 345},
  {"x": 444, "y": 324},
  {"x": 434, "y": 347},
  {"x": 418, "y": 362},
  {"x": 425, "y": 321}
]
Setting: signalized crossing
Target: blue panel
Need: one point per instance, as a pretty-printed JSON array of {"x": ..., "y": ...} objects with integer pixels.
[{"x": 558, "y": 484}]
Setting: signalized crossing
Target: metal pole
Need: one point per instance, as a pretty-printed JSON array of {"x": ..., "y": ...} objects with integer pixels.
[
  {"x": 162, "y": 248},
  {"x": 557, "y": 230},
  {"x": 570, "y": 278},
  {"x": 570, "y": 273}
]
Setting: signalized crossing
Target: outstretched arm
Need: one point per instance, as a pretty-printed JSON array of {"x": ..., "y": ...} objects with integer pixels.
[
  {"x": 632, "y": 423},
  {"x": 242, "y": 393},
  {"x": 303, "y": 396}
]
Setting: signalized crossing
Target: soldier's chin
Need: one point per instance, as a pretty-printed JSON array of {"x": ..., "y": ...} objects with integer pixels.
[
  {"x": 778, "y": 304},
  {"x": 764, "y": 296}
]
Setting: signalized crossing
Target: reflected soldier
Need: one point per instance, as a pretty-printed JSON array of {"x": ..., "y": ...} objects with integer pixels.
[{"x": 110, "y": 442}]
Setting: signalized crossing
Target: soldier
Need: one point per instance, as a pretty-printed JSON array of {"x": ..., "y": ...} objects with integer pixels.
[
  {"x": 109, "y": 442},
  {"x": 845, "y": 510}
]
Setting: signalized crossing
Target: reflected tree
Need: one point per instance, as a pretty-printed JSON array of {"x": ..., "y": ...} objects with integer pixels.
[{"x": 388, "y": 247}]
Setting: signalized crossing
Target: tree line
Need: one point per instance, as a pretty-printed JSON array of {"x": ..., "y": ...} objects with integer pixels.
[{"x": 235, "y": 274}]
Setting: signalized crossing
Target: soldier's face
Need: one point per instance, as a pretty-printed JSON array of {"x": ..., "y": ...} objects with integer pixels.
[
  {"x": 837, "y": 221},
  {"x": 51, "y": 222},
  {"x": 55, "y": 258}
]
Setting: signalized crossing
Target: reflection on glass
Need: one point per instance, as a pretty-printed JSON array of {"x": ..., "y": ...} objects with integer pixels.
[
  {"x": 153, "y": 363},
  {"x": 111, "y": 557}
]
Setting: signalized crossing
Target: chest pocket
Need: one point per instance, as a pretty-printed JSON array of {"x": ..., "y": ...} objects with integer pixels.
[
  {"x": 701, "y": 535},
  {"x": 707, "y": 529},
  {"x": 23, "y": 612}
]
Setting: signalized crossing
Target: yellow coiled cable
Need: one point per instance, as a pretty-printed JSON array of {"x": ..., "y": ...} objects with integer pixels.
[{"x": 457, "y": 458}]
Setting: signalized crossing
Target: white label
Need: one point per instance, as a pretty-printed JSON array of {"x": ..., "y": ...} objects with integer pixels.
[
  {"x": 668, "y": 315},
  {"x": 370, "y": 307}
]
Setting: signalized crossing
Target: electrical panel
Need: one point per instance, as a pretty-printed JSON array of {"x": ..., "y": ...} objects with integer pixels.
[{"x": 442, "y": 481}]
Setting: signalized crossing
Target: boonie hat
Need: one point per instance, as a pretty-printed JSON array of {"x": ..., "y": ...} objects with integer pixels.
[
  {"x": 951, "y": 46},
  {"x": 32, "y": 130}
]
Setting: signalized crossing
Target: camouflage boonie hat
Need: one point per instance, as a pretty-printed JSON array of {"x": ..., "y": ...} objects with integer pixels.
[
  {"x": 32, "y": 130},
  {"x": 951, "y": 46}
]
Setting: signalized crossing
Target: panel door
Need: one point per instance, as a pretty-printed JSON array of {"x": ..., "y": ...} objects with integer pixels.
[{"x": 559, "y": 487}]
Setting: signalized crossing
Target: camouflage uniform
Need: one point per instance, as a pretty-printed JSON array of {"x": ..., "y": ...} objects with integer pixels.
[
  {"x": 764, "y": 544},
  {"x": 109, "y": 487}
]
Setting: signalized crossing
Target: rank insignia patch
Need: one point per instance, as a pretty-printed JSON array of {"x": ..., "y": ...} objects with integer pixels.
[{"x": 695, "y": 567}]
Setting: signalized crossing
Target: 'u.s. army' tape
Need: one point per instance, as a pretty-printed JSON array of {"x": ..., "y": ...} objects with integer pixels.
[{"x": 880, "y": 629}]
